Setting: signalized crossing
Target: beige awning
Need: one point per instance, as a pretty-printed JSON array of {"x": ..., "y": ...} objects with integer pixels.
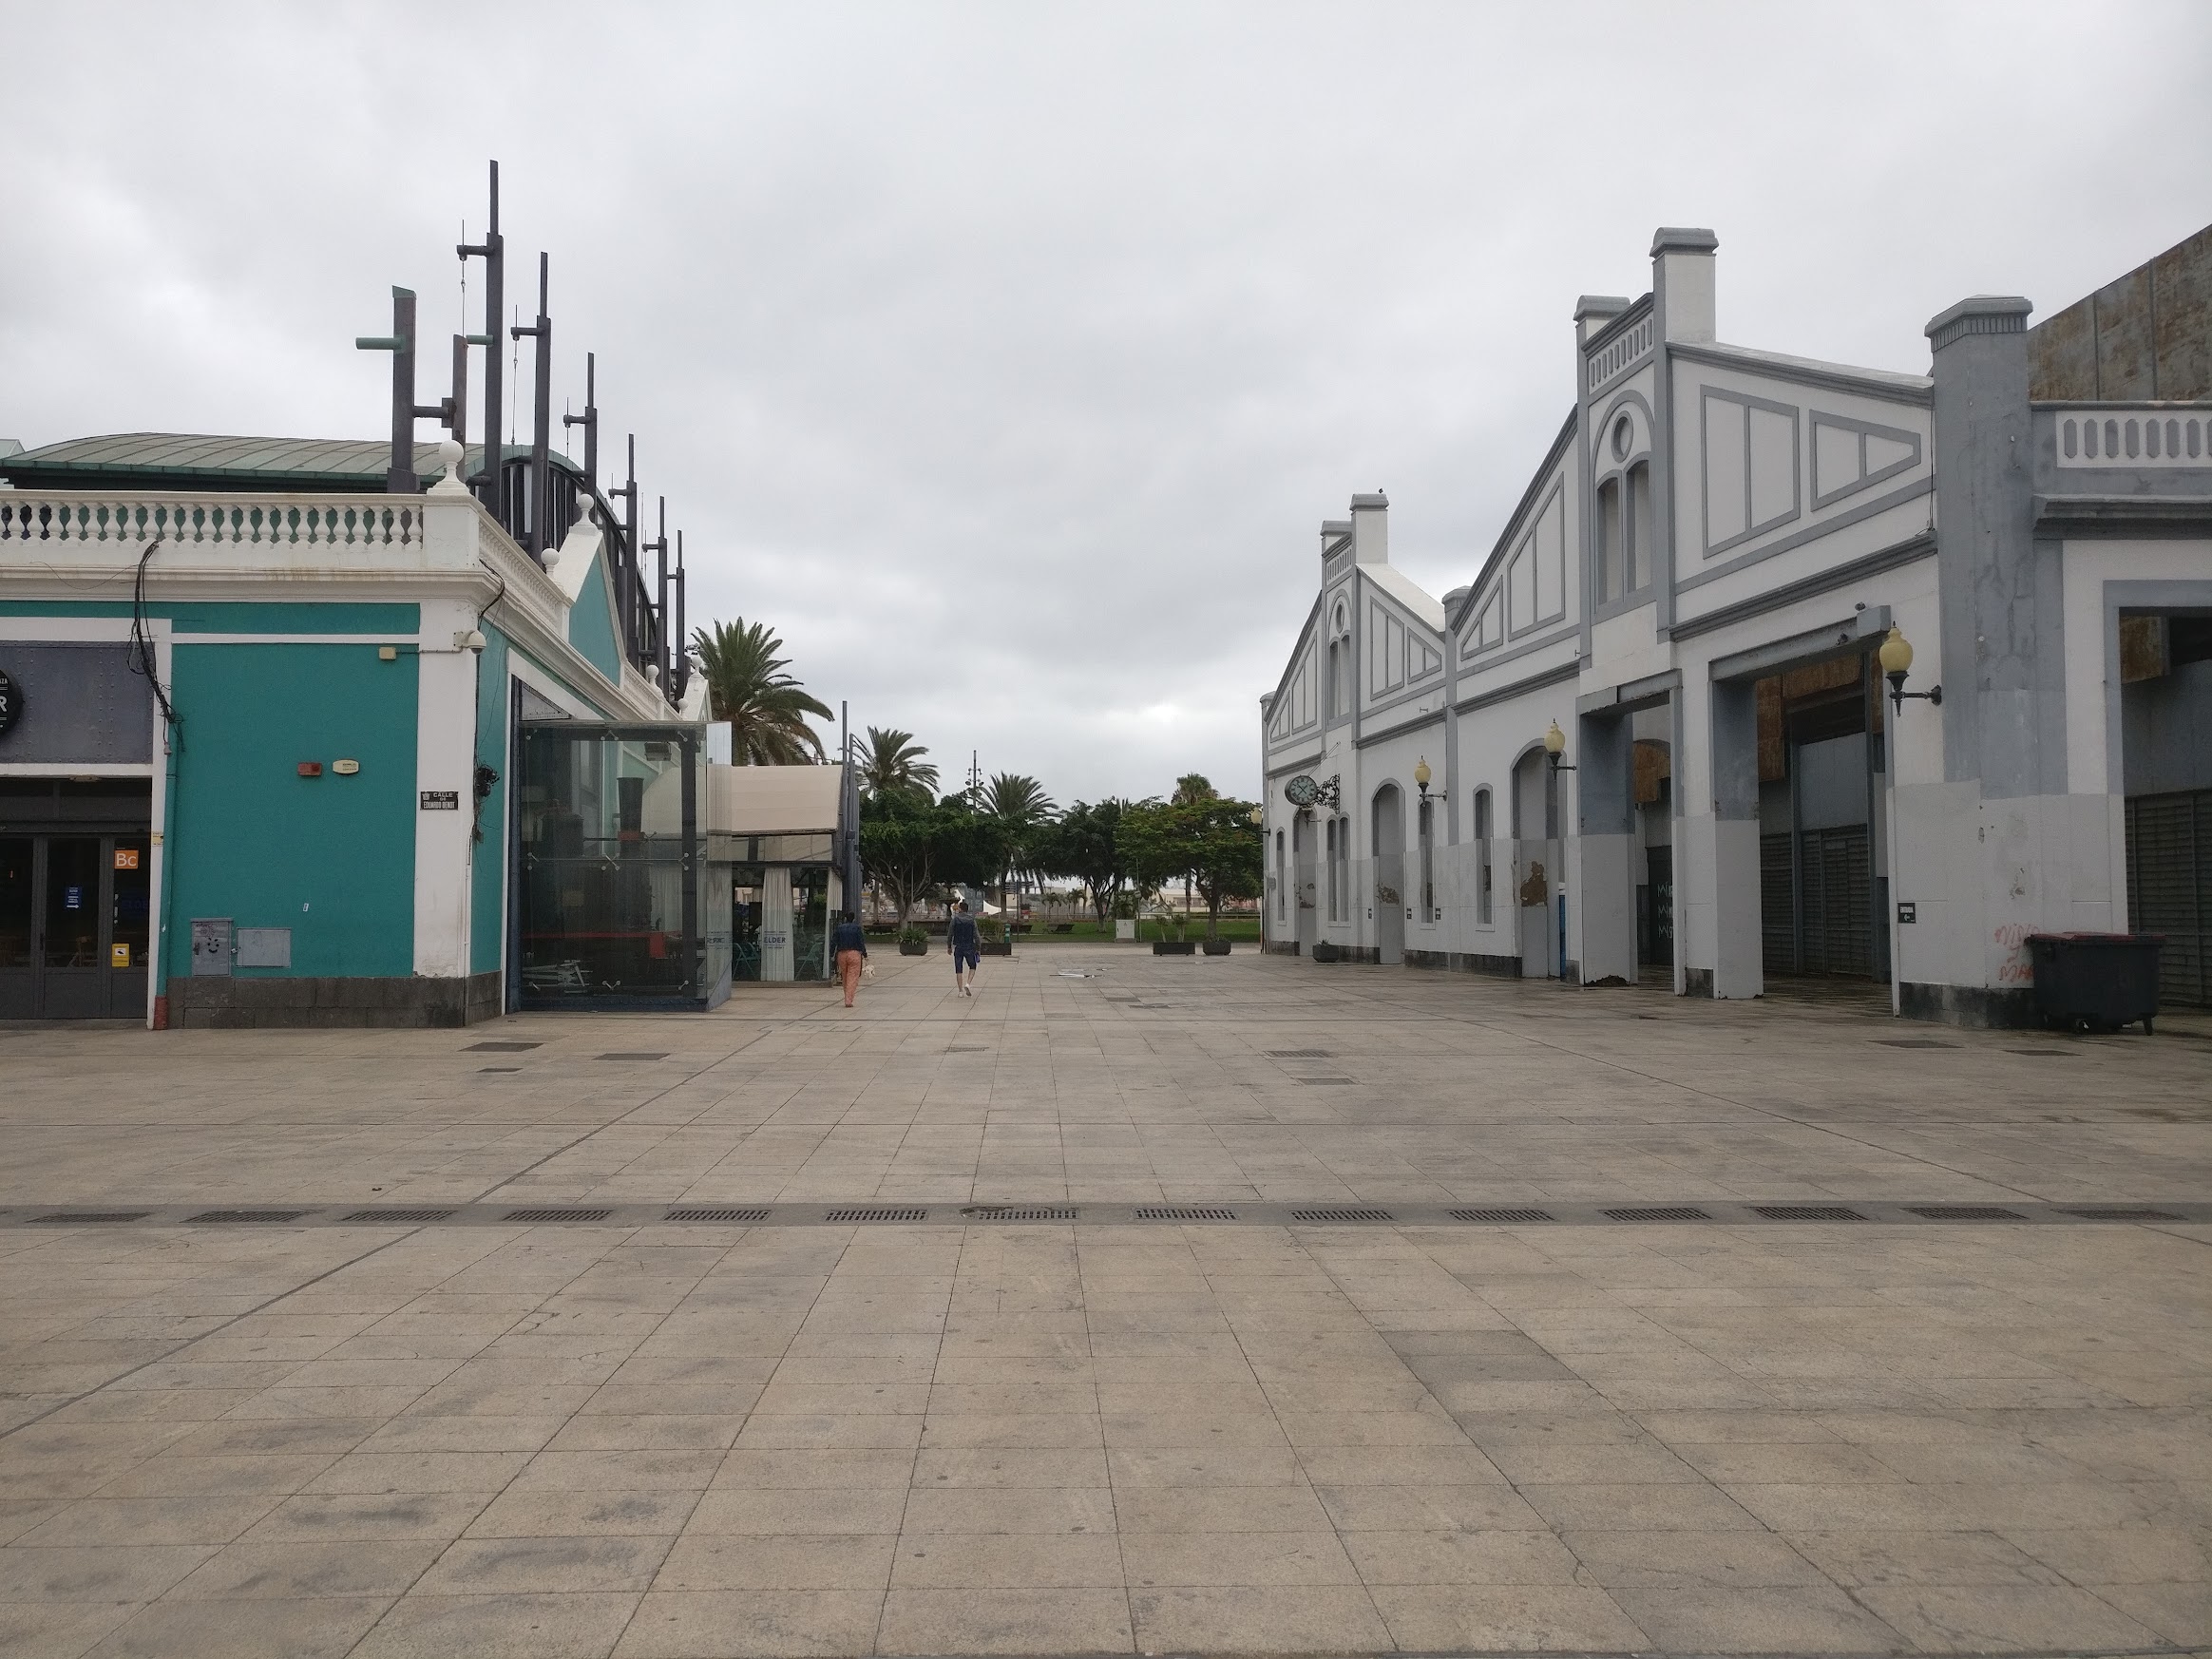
[{"x": 772, "y": 800}]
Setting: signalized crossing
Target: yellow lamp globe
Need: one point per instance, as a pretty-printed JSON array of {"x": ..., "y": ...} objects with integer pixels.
[
  {"x": 1555, "y": 742},
  {"x": 1897, "y": 654}
]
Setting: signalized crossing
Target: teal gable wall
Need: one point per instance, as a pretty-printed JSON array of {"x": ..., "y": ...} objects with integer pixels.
[
  {"x": 591, "y": 622},
  {"x": 251, "y": 839},
  {"x": 487, "y": 862}
]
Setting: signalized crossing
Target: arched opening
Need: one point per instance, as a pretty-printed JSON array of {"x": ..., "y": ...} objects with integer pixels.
[{"x": 1388, "y": 826}]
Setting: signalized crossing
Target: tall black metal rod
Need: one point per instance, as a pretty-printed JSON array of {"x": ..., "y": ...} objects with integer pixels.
[
  {"x": 677, "y": 654},
  {"x": 538, "y": 539},
  {"x": 589, "y": 419},
  {"x": 661, "y": 608},
  {"x": 456, "y": 407},
  {"x": 492, "y": 479},
  {"x": 632, "y": 588},
  {"x": 399, "y": 478}
]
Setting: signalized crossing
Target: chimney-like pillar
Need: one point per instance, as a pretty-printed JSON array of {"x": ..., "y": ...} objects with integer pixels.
[
  {"x": 1681, "y": 282},
  {"x": 1592, "y": 311},
  {"x": 1371, "y": 528}
]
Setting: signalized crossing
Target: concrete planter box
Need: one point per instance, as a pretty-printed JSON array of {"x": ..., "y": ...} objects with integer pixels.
[
  {"x": 995, "y": 947},
  {"x": 1215, "y": 947},
  {"x": 914, "y": 947},
  {"x": 1175, "y": 947},
  {"x": 1325, "y": 951}
]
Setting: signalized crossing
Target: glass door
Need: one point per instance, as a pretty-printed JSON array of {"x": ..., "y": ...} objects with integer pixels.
[
  {"x": 71, "y": 950},
  {"x": 129, "y": 925},
  {"x": 18, "y": 965}
]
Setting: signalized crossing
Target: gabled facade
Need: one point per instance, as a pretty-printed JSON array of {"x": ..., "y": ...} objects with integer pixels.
[{"x": 1692, "y": 588}]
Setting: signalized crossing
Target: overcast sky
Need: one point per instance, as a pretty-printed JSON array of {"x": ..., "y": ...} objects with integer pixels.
[{"x": 1006, "y": 358}]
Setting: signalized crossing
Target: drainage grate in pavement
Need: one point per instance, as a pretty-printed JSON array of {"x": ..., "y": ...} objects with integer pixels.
[
  {"x": 1014, "y": 1213},
  {"x": 1499, "y": 1214},
  {"x": 968, "y": 1048},
  {"x": 373, "y": 1215},
  {"x": 73, "y": 1217},
  {"x": 1327, "y": 1080},
  {"x": 500, "y": 1048},
  {"x": 1300, "y": 1053},
  {"x": 1342, "y": 1215},
  {"x": 2121, "y": 1212},
  {"x": 1660, "y": 1213},
  {"x": 1915, "y": 1042},
  {"x": 919, "y": 1215},
  {"x": 1806, "y": 1212},
  {"x": 235, "y": 1215},
  {"x": 1181, "y": 1212},
  {"x": 1965, "y": 1213},
  {"x": 556, "y": 1215},
  {"x": 498, "y": 1068},
  {"x": 752, "y": 1214},
  {"x": 2053, "y": 1051},
  {"x": 640, "y": 1054}
]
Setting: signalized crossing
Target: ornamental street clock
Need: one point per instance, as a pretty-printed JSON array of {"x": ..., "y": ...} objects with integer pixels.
[{"x": 1301, "y": 790}]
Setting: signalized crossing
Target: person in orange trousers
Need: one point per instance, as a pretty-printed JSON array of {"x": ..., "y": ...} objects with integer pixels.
[{"x": 849, "y": 945}]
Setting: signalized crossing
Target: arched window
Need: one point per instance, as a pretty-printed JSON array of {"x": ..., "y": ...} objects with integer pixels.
[
  {"x": 1611, "y": 536},
  {"x": 1331, "y": 850},
  {"x": 1279, "y": 875},
  {"x": 1637, "y": 560},
  {"x": 1482, "y": 834}
]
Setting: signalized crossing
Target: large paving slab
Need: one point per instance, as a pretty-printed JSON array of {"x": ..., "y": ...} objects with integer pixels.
[{"x": 964, "y": 1434}]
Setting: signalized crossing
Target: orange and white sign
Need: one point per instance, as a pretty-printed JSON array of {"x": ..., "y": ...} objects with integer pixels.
[{"x": 126, "y": 858}]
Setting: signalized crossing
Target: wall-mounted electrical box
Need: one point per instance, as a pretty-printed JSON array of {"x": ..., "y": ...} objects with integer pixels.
[
  {"x": 214, "y": 945},
  {"x": 264, "y": 947}
]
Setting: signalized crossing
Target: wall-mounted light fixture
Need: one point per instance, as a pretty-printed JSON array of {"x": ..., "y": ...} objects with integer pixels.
[
  {"x": 1422, "y": 776},
  {"x": 1554, "y": 746},
  {"x": 1897, "y": 661}
]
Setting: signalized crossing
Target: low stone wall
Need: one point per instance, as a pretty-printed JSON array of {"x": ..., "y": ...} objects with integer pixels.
[{"x": 411, "y": 1001}]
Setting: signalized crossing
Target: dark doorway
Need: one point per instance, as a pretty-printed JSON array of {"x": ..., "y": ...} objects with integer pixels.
[
  {"x": 2169, "y": 888},
  {"x": 1655, "y": 910},
  {"x": 74, "y": 926}
]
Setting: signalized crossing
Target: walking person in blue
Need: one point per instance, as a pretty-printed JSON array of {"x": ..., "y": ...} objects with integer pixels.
[{"x": 966, "y": 946}]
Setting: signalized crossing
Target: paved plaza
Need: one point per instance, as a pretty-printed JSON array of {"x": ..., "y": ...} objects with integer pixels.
[{"x": 1137, "y": 1304}]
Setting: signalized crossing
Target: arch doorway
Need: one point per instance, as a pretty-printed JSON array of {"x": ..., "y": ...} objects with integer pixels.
[{"x": 1390, "y": 899}]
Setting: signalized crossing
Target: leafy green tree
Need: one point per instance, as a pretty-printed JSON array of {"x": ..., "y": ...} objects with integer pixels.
[
  {"x": 891, "y": 764},
  {"x": 1083, "y": 844},
  {"x": 910, "y": 846},
  {"x": 1212, "y": 843},
  {"x": 746, "y": 685},
  {"x": 1192, "y": 788}
]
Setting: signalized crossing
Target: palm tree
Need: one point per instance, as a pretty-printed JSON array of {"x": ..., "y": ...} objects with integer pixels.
[
  {"x": 1193, "y": 788},
  {"x": 1022, "y": 808},
  {"x": 891, "y": 764},
  {"x": 766, "y": 707}
]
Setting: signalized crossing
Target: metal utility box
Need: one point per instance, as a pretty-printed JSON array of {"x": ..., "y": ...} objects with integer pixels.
[
  {"x": 2096, "y": 982},
  {"x": 264, "y": 947},
  {"x": 214, "y": 945}
]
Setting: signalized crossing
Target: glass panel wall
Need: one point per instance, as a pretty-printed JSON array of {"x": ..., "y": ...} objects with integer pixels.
[{"x": 611, "y": 876}]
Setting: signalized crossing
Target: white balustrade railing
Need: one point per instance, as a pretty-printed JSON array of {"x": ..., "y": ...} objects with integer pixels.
[
  {"x": 31, "y": 516},
  {"x": 2134, "y": 435}
]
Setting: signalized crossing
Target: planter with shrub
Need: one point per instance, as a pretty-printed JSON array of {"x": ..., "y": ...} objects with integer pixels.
[
  {"x": 913, "y": 941},
  {"x": 1175, "y": 947},
  {"x": 1325, "y": 951},
  {"x": 1216, "y": 947},
  {"x": 991, "y": 938}
]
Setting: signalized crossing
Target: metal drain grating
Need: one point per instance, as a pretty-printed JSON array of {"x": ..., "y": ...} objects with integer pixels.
[
  {"x": 1032, "y": 1212},
  {"x": 556, "y": 1215},
  {"x": 1806, "y": 1212},
  {"x": 1915, "y": 1042},
  {"x": 72, "y": 1217},
  {"x": 968, "y": 1048},
  {"x": 500, "y": 1048},
  {"x": 1342, "y": 1215},
  {"x": 228, "y": 1215},
  {"x": 1499, "y": 1214},
  {"x": 2121, "y": 1212},
  {"x": 639, "y": 1053},
  {"x": 2053, "y": 1051},
  {"x": 396, "y": 1215},
  {"x": 482, "y": 1069},
  {"x": 753, "y": 1214},
  {"x": 922, "y": 1214},
  {"x": 1325, "y": 1080},
  {"x": 1300, "y": 1053},
  {"x": 1965, "y": 1213},
  {"x": 1182, "y": 1213},
  {"x": 1661, "y": 1212}
]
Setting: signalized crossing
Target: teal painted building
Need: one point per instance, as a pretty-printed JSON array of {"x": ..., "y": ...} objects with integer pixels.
[{"x": 258, "y": 727}]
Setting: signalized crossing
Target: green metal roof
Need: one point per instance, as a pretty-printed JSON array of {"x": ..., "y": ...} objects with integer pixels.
[{"x": 183, "y": 461}]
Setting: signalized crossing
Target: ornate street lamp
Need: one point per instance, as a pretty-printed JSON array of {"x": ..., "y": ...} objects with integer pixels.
[
  {"x": 1554, "y": 746},
  {"x": 1422, "y": 776},
  {"x": 1897, "y": 661}
]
